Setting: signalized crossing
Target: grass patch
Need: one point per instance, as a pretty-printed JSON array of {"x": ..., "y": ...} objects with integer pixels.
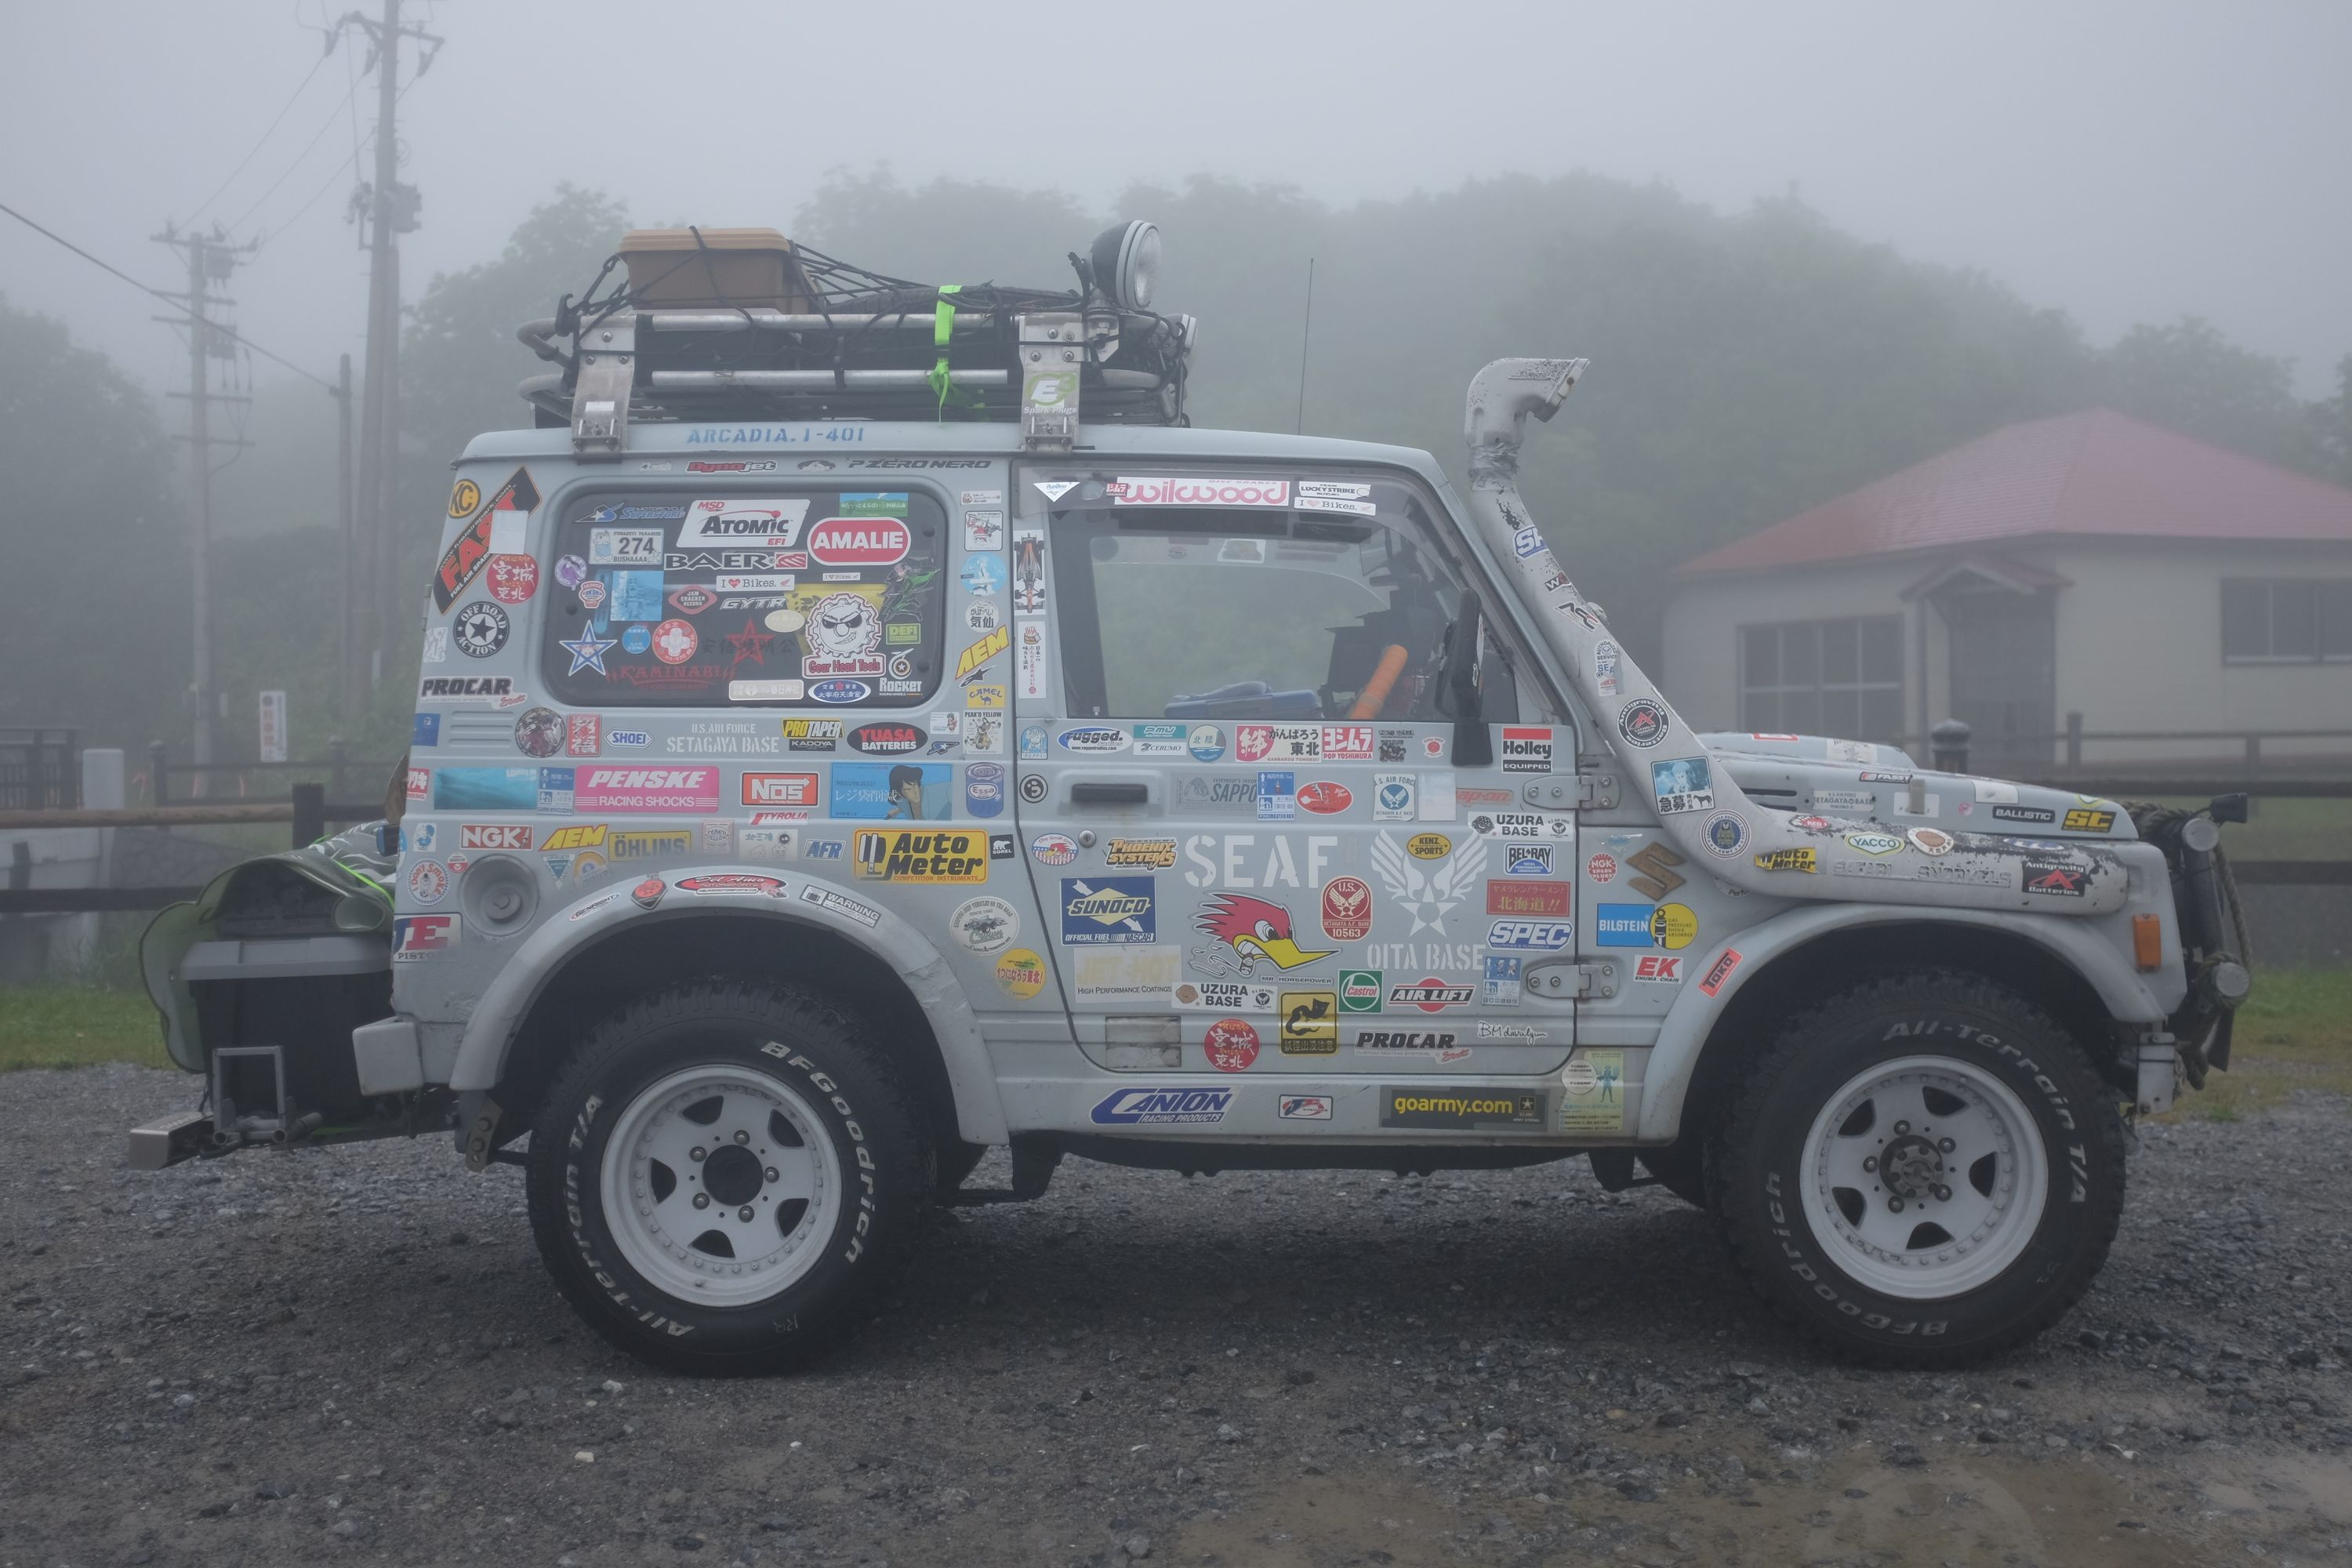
[
  {"x": 75, "y": 1026},
  {"x": 2295, "y": 1032}
]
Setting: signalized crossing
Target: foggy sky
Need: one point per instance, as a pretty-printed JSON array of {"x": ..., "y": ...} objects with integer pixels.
[{"x": 2123, "y": 161}]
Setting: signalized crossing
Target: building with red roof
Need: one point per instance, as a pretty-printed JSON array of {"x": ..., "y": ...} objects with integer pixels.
[{"x": 2091, "y": 563}]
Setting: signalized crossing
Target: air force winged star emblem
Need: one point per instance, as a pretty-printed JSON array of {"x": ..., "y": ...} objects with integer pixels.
[{"x": 1428, "y": 896}]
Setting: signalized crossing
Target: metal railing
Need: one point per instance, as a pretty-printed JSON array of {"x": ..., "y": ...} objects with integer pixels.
[
  {"x": 337, "y": 764},
  {"x": 306, "y": 808},
  {"x": 40, "y": 766}
]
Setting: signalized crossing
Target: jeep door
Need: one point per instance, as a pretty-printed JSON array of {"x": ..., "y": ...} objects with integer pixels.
[{"x": 1257, "y": 842}]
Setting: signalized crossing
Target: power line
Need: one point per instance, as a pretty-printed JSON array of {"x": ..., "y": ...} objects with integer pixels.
[
  {"x": 226, "y": 332},
  {"x": 316, "y": 137},
  {"x": 263, "y": 140},
  {"x": 358, "y": 146}
]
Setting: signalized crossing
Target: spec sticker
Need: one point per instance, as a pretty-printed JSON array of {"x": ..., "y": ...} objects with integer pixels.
[
  {"x": 1683, "y": 785},
  {"x": 1311, "y": 1024},
  {"x": 1644, "y": 723},
  {"x": 480, "y": 629},
  {"x": 1594, "y": 1093},
  {"x": 985, "y": 925},
  {"x": 1463, "y": 1107},
  {"x": 1021, "y": 974}
]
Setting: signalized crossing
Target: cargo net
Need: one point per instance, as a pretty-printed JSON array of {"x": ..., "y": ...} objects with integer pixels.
[{"x": 849, "y": 342}]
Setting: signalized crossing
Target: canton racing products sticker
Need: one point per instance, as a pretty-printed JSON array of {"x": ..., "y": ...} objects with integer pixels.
[
  {"x": 1161, "y": 1107},
  {"x": 1642, "y": 722},
  {"x": 1105, "y": 911}
]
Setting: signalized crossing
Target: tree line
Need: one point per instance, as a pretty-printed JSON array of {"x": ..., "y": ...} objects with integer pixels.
[{"x": 1744, "y": 368}]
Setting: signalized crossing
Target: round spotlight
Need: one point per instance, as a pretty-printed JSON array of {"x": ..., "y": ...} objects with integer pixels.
[{"x": 1127, "y": 263}]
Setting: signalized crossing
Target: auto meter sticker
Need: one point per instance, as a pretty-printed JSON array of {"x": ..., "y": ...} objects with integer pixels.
[
  {"x": 859, "y": 542},
  {"x": 1230, "y": 1044},
  {"x": 1642, "y": 722},
  {"x": 480, "y": 629},
  {"x": 513, "y": 578},
  {"x": 921, "y": 855},
  {"x": 771, "y": 524},
  {"x": 985, "y": 925}
]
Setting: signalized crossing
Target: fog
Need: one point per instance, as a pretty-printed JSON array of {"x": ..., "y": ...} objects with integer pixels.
[{"x": 2121, "y": 162}]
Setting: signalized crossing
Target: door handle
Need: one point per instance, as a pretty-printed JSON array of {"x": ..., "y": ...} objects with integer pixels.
[{"x": 1106, "y": 793}]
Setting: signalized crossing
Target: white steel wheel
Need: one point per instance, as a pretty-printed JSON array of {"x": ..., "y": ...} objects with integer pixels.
[
  {"x": 1923, "y": 1177},
  {"x": 720, "y": 1186}
]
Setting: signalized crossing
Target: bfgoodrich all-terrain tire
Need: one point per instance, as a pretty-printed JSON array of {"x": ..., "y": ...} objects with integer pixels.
[
  {"x": 1922, "y": 1171},
  {"x": 724, "y": 1175}
]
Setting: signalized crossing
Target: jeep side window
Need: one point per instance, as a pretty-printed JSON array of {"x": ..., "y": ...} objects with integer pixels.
[
  {"x": 1208, "y": 613},
  {"x": 810, "y": 596}
]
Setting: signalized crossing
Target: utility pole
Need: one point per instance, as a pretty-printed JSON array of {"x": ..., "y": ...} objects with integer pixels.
[
  {"x": 390, "y": 210},
  {"x": 351, "y": 687},
  {"x": 210, "y": 260}
]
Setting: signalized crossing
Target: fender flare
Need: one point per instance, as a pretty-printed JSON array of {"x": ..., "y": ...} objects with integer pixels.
[
  {"x": 1690, "y": 1023},
  {"x": 498, "y": 1018}
]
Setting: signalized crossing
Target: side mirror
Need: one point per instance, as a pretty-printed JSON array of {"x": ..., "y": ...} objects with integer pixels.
[{"x": 1473, "y": 746}]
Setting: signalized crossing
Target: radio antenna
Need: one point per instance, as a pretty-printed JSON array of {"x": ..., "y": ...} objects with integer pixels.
[{"x": 1298, "y": 426}]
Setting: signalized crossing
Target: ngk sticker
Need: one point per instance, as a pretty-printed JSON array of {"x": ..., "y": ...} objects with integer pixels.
[
  {"x": 494, "y": 836},
  {"x": 774, "y": 524},
  {"x": 859, "y": 542}
]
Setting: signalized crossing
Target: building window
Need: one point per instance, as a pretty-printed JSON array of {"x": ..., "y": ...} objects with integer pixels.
[
  {"x": 2268, "y": 622},
  {"x": 1823, "y": 677}
]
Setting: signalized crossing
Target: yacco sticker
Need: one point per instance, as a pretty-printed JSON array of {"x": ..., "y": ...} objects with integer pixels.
[{"x": 647, "y": 789}]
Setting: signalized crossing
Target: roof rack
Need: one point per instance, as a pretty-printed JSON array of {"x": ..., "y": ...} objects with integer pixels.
[{"x": 864, "y": 347}]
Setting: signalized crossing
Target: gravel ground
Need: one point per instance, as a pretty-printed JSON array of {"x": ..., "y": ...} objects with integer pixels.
[{"x": 354, "y": 1354}]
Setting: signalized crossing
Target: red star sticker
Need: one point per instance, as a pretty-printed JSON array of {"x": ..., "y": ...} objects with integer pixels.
[{"x": 749, "y": 646}]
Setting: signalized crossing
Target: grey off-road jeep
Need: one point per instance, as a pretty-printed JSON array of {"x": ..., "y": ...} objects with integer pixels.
[{"x": 862, "y": 725}]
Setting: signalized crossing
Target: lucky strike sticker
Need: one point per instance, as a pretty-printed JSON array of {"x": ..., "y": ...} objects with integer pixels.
[
  {"x": 1232, "y": 1045},
  {"x": 1190, "y": 490},
  {"x": 860, "y": 542}
]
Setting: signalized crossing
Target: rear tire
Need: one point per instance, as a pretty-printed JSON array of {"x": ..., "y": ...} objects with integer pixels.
[
  {"x": 724, "y": 1177},
  {"x": 1922, "y": 1172}
]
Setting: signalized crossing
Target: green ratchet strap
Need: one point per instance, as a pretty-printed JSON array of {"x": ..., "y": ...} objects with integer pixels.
[{"x": 942, "y": 324}]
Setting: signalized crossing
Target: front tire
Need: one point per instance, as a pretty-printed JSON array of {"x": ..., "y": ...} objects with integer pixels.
[
  {"x": 724, "y": 1175},
  {"x": 1922, "y": 1172}
]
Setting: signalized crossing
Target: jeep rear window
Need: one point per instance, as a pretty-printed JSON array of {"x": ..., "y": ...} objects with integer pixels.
[{"x": 791, "y": 596}]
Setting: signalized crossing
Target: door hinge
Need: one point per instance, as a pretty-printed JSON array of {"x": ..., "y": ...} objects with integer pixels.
[
  {"x": 1572, "y": 792},
  {"x": 600, "y": 394},
  {"x": 1572, "y": 981}
]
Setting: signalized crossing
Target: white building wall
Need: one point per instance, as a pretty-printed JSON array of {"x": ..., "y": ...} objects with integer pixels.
[
  {"x": 1702, "y": 619},
  {"x": 2139, "y": 649}
]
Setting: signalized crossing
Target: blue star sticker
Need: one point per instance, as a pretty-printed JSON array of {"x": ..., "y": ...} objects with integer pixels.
[{"x": 587, "y": 653}]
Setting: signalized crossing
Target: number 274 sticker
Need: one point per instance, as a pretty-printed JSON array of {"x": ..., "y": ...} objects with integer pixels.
[{"x": 623, "y": 546}]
